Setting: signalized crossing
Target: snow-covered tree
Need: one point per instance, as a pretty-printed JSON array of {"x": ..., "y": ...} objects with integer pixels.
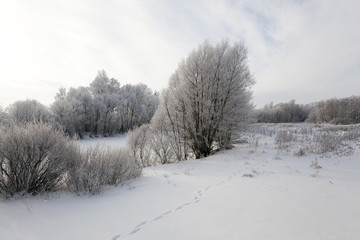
[
  {"x": 3, "y": 116},
  {"x": 137, "y": 105},
  {"x": 104, "y": 107},
  {"x": 106, "y": 97},
  {"x": 73, "y": 110},
  {"x": 284, "y": 112},
  {"x": 208, "y": 96}
]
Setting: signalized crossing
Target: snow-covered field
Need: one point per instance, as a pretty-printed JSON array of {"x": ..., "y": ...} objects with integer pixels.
[
  {"x": 254, "y": 191},
  {"x": 112, "y": 142}
]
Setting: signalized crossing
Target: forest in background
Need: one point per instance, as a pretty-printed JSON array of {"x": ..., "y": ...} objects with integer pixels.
[
  {"x": 333, "y": 111},
  {"x": 103, "y": 108}
]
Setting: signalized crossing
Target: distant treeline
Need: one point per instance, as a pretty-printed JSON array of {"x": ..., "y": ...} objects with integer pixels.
[
  {"x": 103, "y": 108},
  {"x": 284, "y": 112},
  {"x": 336, "y": 111},
  {"x": 333, "y": 111}
]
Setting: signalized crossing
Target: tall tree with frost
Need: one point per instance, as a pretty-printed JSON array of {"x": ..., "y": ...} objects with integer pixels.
[
  {"x": 137, "y": 105},
  {"x": 208, "y": 97},
  {"x": 105, "y": 92}
]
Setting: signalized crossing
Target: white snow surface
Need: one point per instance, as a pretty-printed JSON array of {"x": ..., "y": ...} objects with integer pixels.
[
  {"x": 112, "y": 142},
  {"x": 211, "y": 198}
]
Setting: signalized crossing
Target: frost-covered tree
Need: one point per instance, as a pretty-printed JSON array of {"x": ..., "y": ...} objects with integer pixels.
[
  {"x": 73, "y": 110},
  {"x": 137, "y": 105},
  {"x": 208, "y": 96},
  {"x": 25, "y": 111},
  {"x": 3, "y": 116},
  {"x": 103, "y": 108},
  {"x": 284, "y": 112},
  {"x": 106, "y": 98}
]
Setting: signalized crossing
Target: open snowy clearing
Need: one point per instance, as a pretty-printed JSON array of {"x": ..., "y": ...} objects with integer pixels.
[
  {"x": 112, "y": 142},
  {"x": 249, "y": 192}
]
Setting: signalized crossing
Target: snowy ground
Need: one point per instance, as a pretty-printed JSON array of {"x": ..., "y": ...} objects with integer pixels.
[
  {"x": 250, "y": 192},
  {"x": 113, "y": 142}
]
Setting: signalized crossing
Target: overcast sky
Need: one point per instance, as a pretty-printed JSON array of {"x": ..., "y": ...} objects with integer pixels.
[{"x": 298, "y": 49}]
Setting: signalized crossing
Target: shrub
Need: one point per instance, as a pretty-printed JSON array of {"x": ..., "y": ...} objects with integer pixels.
[
  {"x": 327, "y": 141},
  {"x": 139, "y": 144},
  {"x": 101, "y": 166},
  {"x": 34, "y": 158},
  {"x": 284, "y": 137}
]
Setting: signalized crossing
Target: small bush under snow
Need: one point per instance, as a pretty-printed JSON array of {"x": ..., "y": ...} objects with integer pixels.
[{"x": 101, "y": 166}]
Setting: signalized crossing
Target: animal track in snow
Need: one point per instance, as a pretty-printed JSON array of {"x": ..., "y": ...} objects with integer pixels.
[
  {"x": 196, "y": 199},
  {"x": 140, "y": 224},
  {"x": 134, "y": 231}
]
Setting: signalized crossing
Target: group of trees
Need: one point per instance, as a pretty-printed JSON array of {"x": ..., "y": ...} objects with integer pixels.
[
  {"x": 333, "y": 111},
  {"x": 103, "y": 108},
  {"x": 284, "y": 112},
  {"x": 336, "y": 111},
  {"x": 207, "y": 100}
]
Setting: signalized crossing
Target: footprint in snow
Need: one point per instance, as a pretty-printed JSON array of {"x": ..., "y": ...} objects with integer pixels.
[
  {"x": 219, "y": 183},
  {"x": 162, "y": 215},
  {"x": 134, "y": 231},
  {"x": 157, "y": 218},
  {"x": 167, "y": 213},
  {"x": 195, "y": 200},
  {"x": 140, "y": 224},
  {"x": 116, "y": 237}
]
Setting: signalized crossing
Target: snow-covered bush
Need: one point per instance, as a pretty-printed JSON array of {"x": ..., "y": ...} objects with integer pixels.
[
  {"x": 283, "y": 137},
  {"x": 29, "y": 111},
  {"x": 101, "y": 166},
  {"x": 140, "y": 146},
  {"x": 34, "y": 158},
  {"x": 327, "y": 141},
  {"x": 163, "y": 147}
]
